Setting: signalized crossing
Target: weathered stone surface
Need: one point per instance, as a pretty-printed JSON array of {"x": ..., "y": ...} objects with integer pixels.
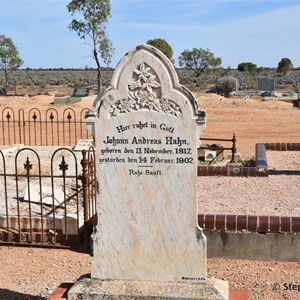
[
  {"x": 81, "y": 92},
  {"x": 147, "y": 129},
  {"x": 83, "y": 144},
  {"x": 98, "y": 289},
  {"x": 45, "y": 195},
  {"x": 266, "y": 84}
]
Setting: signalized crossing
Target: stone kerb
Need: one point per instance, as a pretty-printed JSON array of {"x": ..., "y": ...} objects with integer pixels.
[{"x": 147, "y": 129}]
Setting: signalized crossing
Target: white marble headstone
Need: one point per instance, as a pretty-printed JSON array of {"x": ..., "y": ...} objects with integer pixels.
[{"x": 147, "y": 128}]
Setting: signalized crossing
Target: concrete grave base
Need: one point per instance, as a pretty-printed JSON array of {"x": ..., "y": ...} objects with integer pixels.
[
  {"x": 67, "y": 100},
  {"x": 98, "y": 289},
  {"x": 253, "y": 245},
  {"x": 83, "y": 144}
]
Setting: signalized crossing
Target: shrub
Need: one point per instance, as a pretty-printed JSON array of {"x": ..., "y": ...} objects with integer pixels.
[{"x": 225, "y": 86}]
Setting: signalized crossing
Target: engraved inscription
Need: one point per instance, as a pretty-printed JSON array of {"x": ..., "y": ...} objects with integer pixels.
[{"x": 146, "y": 156}]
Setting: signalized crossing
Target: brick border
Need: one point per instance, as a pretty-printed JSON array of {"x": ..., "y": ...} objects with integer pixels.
[
  {"x": 232, "y": 171},
  {"x": 249, "y": 223},
  {"x": 261, "y": 165},
  {"x": 282, "y": 146},
  {"x": 61, "y": 292}
]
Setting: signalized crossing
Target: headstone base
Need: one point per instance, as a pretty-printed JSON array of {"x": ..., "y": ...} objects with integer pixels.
[{"x": 98, "y": 289}]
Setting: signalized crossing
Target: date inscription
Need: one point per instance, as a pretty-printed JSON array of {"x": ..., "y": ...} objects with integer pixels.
[{"x": 146, "y": 156}]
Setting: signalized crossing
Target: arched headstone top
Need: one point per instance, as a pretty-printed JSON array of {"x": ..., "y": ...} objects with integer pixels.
[
  {"x": 146, "y": 80},
  {"x": 146, "y": 131}
]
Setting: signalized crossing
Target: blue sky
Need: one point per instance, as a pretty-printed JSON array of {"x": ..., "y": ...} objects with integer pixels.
[{"x": 257, "y": 31}]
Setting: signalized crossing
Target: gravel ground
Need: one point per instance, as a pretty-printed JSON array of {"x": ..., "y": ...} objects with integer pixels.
[{"x": 275, "y": 195}]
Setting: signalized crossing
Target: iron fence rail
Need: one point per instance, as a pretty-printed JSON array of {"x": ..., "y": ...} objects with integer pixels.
[
  {"x": 49, "y": 128},
  {"x": 232, "y": 148}
]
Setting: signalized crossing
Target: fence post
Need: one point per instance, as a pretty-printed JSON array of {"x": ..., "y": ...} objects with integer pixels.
[
  {"x": 233, "y": 148},
  {"x": 86, "y": 198}
]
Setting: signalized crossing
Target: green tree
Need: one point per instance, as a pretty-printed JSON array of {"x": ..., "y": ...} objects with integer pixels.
[
  {"x": 163, "y": 46},
  {"x": 9, "y": 56},
  {"x": 247, "y": 67},
  {"x": 92, "y": 27},
  {"x": 284, "y": 66},
  {"x": 198, "y": 60}
]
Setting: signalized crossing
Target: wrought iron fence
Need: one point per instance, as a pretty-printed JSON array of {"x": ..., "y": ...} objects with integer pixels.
[
  {"x": 46, "y": 200},
  {"x": 49, "y": 128},
  {"x": 221, "y": 150}
]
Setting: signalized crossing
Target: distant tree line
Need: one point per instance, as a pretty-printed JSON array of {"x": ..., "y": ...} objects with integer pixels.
[
  {"x": 198, "y": 60},
  {"x": 90, "y": 24}
]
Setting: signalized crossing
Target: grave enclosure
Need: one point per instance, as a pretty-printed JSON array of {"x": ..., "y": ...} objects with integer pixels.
[{"x": 147, "y": 242}]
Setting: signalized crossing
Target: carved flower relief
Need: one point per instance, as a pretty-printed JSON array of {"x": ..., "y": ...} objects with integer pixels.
[
  {"x": 123, "y": 106},
  {"x": 150, "y": 83},
  {"x": 170, "y": 108},
  {"x": 143, "y": 80},
  {"x": 143, "y": 72},
  {"x": 142, "y": 94}
]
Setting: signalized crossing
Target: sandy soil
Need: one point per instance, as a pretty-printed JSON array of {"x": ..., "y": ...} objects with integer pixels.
[
  {"x": 253, "y": 121},
  {"x": 32, "y": 273},
  {"x": 41, "y": 101}
]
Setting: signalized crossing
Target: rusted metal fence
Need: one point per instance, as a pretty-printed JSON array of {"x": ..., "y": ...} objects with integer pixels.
[
  {"x": 49, "y": 128},
  {"x": 47, "y": 199},
  {"x": 232, "y": 148}
]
